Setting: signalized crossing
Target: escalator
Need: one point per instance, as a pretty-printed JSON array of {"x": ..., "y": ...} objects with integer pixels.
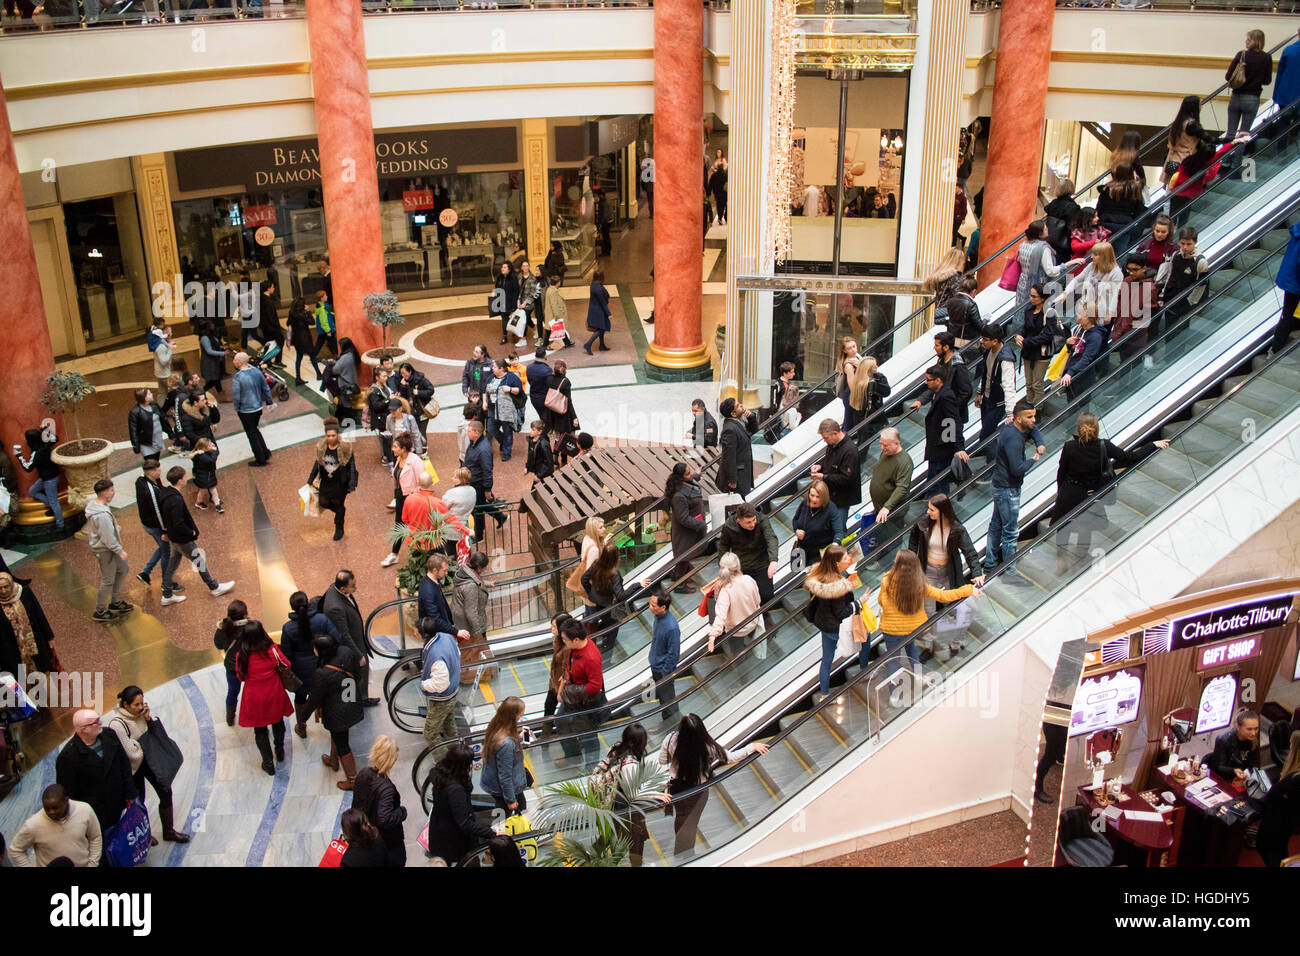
[{"x": 1127, "y": 390}]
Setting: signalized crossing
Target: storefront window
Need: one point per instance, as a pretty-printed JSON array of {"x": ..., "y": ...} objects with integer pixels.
[
  {"x": 573, "y": 223},
  {"x": 108, "y": 266}
]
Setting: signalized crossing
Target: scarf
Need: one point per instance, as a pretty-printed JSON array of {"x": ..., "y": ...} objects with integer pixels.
[{"x": 22, "y": 625}]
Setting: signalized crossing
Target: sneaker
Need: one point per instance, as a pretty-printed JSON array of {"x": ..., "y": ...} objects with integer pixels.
[
  {"x": 392, "y": 505},
  {"x": 221, "y": 509},
  {"x": 221, "y": 589},
  {"x": 338, "y": 535},
  {"x": 143, "y": 578},
  {"x": 103, "y": 616},
  {"x": 121, "y": 607},
  {"x": 389, "y": 561},
  {"x": 172, "y": 599},
  {"x": 201, "y": 507}
]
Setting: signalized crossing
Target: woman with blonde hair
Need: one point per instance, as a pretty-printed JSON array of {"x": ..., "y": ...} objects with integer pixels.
[
  {"x": 1256, "y": 73},
  {"x": 831, "y": 602},
  {"x": 1098, "y": 285},
  {"x": 376, "y": 795},
  {"x": 868, "y": 391},
  {"x": 736, "y": 599},
  {"x": 812, "y": 523},
  {"x": 504, "y": 776},
  {"x": 1281, "y": 808},
  {"x": 903, "y": 591},
  {"x": 846, "y": 366},
  {"x": 593, "y": 539}
]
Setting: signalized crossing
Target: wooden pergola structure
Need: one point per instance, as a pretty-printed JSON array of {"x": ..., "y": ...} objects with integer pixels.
[{"x": 610, "y": 483}]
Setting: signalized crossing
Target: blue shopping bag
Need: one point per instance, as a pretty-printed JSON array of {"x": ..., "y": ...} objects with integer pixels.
[{"x": 126, "y": 842}]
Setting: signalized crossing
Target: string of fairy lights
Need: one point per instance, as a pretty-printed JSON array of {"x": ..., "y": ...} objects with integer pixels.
[{"x": 780, "y": 142}]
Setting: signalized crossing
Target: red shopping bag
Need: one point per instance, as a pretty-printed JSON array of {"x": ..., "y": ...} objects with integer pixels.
[{"x": 333, "y": 853}]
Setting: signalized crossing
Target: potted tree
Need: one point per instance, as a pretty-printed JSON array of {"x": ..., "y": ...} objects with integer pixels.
[
  {"x": 419, "y": 546},
  {"x": 589, "y": 831},
  {"x": 381, "y": 310},
  {"x": 84, "y": 460}
]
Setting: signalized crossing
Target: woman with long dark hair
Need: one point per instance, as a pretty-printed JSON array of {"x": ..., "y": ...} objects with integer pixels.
[
  {"x": 559, "y": 667},
  {"x": 1038, "y": 332},
  {"x": 1119, "y": 201},
  {"x": 301, "y": 325},
  {"x": 559, "y": 424},
  {"x": 264, "y": 703},
  {"x": 1128, "y": 153},
  {"x": 365, "y": 847},
  {"x": 504, "y": 776},
  {"x": 625, "y": 754},
  {"x": 903, "y": 591},
  {"x": 1182, "y": 141},
  {"x": 1088, "y": 462},
  {"x": 940, "y": 541},
  {"x": 686, "y": 501},
  {"x": 505, "y": 296},
  {"x": 227, "y": 639},
  {"x": 453, "y": 828},
  {"x": 604, "y": 586},
  {"x": 693, "y": 757},
  {"x": 304, "y": 623},
  {"x": 347, "y": 371},
  {"x": 831, "y": 602}
]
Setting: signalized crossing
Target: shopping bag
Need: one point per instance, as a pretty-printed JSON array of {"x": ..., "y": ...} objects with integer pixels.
[
  {"x": 516, "y": 825},
  {"x": 126, "y": 843},
  {"x": 334, "y": 852},
  {"x": 721, "y": 506},
  {"x": 428, "y": 466},
  {"x": 845, "y": 646},
  {"x": 517, "y": 323},
  {"x": 868, "y": 617},
  {"x": 557, "y": 330},
  {"x": 1010, "y": 274},
  {"x": 309, "y": 501},
  {"x": 574, "y": 581},
  {"x": 13, "y": 699},
  {"x": 1057, "y": 365}
]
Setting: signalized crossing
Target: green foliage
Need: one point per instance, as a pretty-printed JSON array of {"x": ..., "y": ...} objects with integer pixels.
[
  {"x": 422, "y": 543},
  {"x": 590, "y": 830},
  {"x": 64, "y": 391},
  {"x": 381, "y": 309}
]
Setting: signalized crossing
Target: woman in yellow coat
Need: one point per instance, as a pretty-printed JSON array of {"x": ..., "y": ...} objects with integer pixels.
[{"x": 903, "y": 591}]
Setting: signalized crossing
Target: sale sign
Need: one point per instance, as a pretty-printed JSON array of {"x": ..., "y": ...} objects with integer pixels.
[
  {"x": 255, "y": 216},
  {"x": 413, "y": 199}
]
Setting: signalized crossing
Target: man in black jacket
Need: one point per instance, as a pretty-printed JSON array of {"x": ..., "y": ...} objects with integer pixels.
[
  {"x": 148, "y": 492},
  {"x": 341, "y": 608},
  {"x": 93, "y": 768},
  {"x": 736, "y": 471},
  {"x": 944, "y": 436},
  {"x": 539, "y": 375},
  {"x": 841, "y": 469},
  {"x": 182, "y": 533},
  {"x": 749, "y": 536},
  {"x": 541, "y": 460},
  {"x": 704, "y": 430},
  {"x": 945, "y": 349},
  {"x": 478, "y": 459}
]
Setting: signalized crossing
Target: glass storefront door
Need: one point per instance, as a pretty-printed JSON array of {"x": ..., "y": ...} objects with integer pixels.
[{"x": 108, "y": 269}]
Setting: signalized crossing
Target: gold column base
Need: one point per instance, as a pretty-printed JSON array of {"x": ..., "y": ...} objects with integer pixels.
[
  {"x": 32, "y": 513},
  {"x": 677, "y": 358}
]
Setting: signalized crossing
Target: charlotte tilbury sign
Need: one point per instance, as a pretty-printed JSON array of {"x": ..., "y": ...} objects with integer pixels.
[{"x": 289, "y": 163}]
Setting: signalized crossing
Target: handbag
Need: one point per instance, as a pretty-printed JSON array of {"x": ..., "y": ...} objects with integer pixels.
[
  {"x": 288, "y": 679},
  {"x": 858, "y": 626},
  {"x": 515, "y": 825},
  {"x": 556, "y": 401},
  {"x": 161, "y": 753},
  {"x": 868, "y": 617},
  {"x": 126, "y": 842},
  {"x": 1237, "y": 79},
  {"x": 960, "y": 470},
  {"x": 432, "y": 408},
  {"x": 1010, "y": 274},
  {"x": 1057, "y": 366},
  {"x": 574, "y": 582}
]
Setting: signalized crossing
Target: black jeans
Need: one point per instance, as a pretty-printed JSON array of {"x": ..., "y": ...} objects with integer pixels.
[
  {"x": 1286, "y": 322},
  {"x": 341, "y": 745},
  {"x": 1053, "y": 750},
  {"x": 321, "y": 339},
  {"x": 399, "y": 500},
  {"x": 299, "y": 355},
  {"x": 256, "y": 442},
  {"x": 665, "y": 691}
]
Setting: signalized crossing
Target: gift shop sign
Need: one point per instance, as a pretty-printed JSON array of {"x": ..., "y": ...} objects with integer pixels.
[
  {"x": 290, "y": 163},
  {"x": 1228, "y": 652}
]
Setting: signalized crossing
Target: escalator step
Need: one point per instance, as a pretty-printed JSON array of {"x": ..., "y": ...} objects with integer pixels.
[{"x": 1171, "y": 469}]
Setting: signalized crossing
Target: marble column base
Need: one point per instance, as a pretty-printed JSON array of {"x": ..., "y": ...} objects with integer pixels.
[{"x": 678, "y": 365}]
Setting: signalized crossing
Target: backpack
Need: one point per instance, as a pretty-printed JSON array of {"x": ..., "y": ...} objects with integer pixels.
[
  {"x": 329, "y": 379},
  {"x": 152, "y": 341},
  {"x": 1058, "y": 237}
]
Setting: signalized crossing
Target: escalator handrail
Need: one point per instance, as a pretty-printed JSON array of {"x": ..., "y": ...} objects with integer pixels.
[
  {"x": 817, "y": 710},
  {"x": 795, "y": 582}
]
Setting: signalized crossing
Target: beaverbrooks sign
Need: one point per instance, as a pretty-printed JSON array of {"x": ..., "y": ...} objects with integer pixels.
[{"x": 287, "y": 163}]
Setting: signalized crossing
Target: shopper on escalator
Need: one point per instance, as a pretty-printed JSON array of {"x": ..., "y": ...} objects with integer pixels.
[
  {"x": 692, "y": 757},
  {"x": 841, "y": 469},
  {"x": 686, "y": 502},
  {"x": 736, "y": 470},
  {"x": 830, "y": 604},
  {"x": 1009, "y": 469},
  {"x": 903, "y": 591},
  {"x": 736, "y": 601},
  {"x": 958, "y": 377},
  {"x": 1038, "y": 332},
  {"x": 891, "y": 480},
  {"x": 454, "y": 830},
  {"x": 813, "y": 524},
  {"x": 582, "y": 694},
  {"x": 749, "y": 536},
  {"x": 604, "y": 586},
  {"x": 1086, "y": 346},
  {"x": 1288, "y": 280},
  {"x": 944, "y": 436}
]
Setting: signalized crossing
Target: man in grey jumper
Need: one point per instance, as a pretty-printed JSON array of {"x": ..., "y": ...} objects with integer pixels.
[{"x": 106, "y": 542}]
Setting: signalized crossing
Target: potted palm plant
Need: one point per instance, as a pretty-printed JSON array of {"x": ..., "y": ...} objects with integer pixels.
[
  {"x": 381, "y": 309},
  {"x": 84, "y": 460},
  {"x": 420, "y": 545},
  {"x": 589, "y": 831}
]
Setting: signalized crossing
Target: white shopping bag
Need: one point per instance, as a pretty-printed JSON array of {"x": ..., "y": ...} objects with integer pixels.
[
  {"x": 309, "y": 502},
  {"x": 721, "y": 505},
  {"x": 518, "y": 323}
]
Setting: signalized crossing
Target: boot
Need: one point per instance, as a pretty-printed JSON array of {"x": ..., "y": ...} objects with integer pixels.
[
  {"x": 230, "y": 715},
  {"x": 264, "y": 748},
  {"x": 165, "y": 815},
  {"x": 331, "y": 759},
  {"x": 279, "y": 751},
  {"x": 349, "y": 762}
]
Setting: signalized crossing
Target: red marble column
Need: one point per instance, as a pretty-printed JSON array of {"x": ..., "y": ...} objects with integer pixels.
[
  {"x": 1024, "y": 51},
  {"x": 678, "y": 350},
  {"x": 25, "y": 346},
  {"x": 341, "y": 88}
]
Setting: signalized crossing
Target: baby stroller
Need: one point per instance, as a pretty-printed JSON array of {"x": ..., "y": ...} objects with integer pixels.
[
  {"x": 15, "y": 707},
  {"x": 263, "y": 360}
]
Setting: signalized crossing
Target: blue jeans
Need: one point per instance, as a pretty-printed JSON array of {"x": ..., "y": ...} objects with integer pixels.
[
  {"x": 47, "y": 492},
  {"x": 1003, "y": 527},
  {"x": 892, "y": 643},
  {"x": 161, "y": 554},
  {"x": 1242, "y": 108},
  {"x": 935, "y": 469},
  {"x": 829, "y": 640},
  {"x": 839, "y": 521},
  {"x": 232, "y": 689},
  {"x": 503, "y": 433}
]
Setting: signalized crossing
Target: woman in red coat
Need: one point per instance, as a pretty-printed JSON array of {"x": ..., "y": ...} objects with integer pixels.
[{"x": 264, "y": 703}]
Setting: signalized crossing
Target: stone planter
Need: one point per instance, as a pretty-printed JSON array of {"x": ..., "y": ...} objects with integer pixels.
[
  {"x": 84, "y": 462},
  {"x": 372, "y": 357},
  {"x": 720, "y": 342}
]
